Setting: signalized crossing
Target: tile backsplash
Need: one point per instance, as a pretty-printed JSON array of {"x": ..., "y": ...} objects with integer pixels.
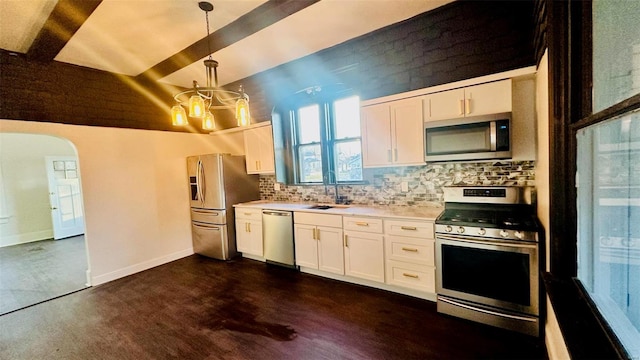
[{"x": 424, "y": 183}]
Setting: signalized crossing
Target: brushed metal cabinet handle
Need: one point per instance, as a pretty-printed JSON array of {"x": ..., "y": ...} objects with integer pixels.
[
  {"x": 410, "y": 249},
  {"x": 362, "y": 223},
  {"x": 346, "y": 241},
  {"x": 413, "y": 276},
  {"x": 413, "y": 228}
]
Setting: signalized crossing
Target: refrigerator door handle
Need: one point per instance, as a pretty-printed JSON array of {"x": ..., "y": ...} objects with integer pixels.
[
  {"x": 205, "y": 226},
  {"x": 200, "y": 181}
]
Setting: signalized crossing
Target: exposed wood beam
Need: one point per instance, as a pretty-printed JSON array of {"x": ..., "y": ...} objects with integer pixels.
[
  {"x": 65, "y": 19},
  {"x": 248, "y": 24}
]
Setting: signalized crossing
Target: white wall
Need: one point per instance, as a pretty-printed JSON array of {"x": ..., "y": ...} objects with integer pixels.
[
  {"x": 25, "y": 214},
  {"x": 135, "y": 191},
  {"x": 554, "y": 341}
]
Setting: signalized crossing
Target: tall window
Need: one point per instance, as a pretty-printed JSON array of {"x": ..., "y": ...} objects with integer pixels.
[
  {"x": 327, "y": 141},
  {"x": 608, "y": 174}
]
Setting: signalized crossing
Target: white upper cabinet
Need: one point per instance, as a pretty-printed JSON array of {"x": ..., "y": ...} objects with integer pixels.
[
  {"x": 483, "y": 99},
  {"x": 392, "y": 133},
  {"x": 258, "y": 146}
]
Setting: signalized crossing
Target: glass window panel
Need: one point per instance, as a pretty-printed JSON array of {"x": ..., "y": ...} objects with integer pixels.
[
  {"x": 348, "y": 161},
  {"x": 347, "y": 117},
  {"x": 309, "y": 124},
  {"x": 608, "y": 165},
  {"x": 310, "y": 163},
  {"x": 616, "y": 52}
]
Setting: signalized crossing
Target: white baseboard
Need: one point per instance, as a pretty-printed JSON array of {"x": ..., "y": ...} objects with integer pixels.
[
  {"x": 26, "y": 237},
  {"x": 129, "y": 270}
]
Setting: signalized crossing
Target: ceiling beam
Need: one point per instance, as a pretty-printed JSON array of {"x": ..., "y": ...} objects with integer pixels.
[
  {"x": 63, "y": 22},
  {"x": 259, "y": 18}
]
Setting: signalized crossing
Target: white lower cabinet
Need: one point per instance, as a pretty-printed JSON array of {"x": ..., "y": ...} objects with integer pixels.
[
  {"x": 410, "y": 254},
  {"x": 364, "y": 255},
  {"x": 249, "y": 231},
  {"x": 363, "y": 248},
  {"x": 318, "y": 241}
]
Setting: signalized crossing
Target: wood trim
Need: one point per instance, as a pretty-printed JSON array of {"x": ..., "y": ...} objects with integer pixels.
[
  {"x": 63, "y": 22},
  {"x": 631, "y": 104},
  {"x": 259, "y": 18},
  {"x": 562, "y": 204}
]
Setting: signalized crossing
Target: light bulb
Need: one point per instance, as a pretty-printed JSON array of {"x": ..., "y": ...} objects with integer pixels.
[
  {"x": 208, "y": 121},
  {"x": 242, "y": 112},
  {"x": 179, "y": 116},
  {"x": 196, "y": 106}
]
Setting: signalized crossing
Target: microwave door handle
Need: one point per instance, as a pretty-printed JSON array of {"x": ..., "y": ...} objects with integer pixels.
[{"x": 493, "y": 137}]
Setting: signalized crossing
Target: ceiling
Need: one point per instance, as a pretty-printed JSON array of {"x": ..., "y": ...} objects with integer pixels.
[{"x": 166, "y": 39}]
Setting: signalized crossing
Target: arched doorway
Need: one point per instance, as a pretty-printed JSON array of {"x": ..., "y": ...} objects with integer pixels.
[{"x": 33, "y": 266}]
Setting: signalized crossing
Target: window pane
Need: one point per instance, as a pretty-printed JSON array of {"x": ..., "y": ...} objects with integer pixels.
[
  {"x": 616, "y": 52},
  {"x": 348, "y": 161},
  {"x": 347, "y": 117},
  {"x": 310, "y": 163},
  {"x": 608, "y": 206},
  {"x": 309, "y": 124}
]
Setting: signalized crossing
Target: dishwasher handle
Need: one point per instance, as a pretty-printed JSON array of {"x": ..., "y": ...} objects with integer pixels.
[{"x": 277, "y": 213}]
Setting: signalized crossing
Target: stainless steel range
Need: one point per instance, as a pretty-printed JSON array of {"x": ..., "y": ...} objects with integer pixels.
[{"x": 487, "y": 257}]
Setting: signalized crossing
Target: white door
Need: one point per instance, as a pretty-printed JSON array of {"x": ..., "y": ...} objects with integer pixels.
[
  {"x": 407, "y": 131},
  {"x": 376, "y": 135},
  {"x": 306, "y": 245},
  {"x": 65, "y": 197},
  {"x": 330, "y": 250},
  {"x": 364, "y": 256}
]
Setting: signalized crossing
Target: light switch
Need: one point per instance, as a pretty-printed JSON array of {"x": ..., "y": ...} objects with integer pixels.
[
  {"x": 276, "y": 186},
  {"x": 404, "y": 186}
]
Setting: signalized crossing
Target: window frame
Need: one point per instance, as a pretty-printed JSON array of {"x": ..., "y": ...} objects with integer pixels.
[
  {"x": 570, "y": 24},
  {"x": 327, "y": 142}
]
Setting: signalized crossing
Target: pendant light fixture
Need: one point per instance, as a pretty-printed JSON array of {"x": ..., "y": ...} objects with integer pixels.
[{"x": 201, "y": 100}]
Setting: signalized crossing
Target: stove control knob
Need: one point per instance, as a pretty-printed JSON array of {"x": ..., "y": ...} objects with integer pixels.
[
  {"x": 448, "y": 228},
  {"x": 482, "y": 231},
  {"x": 460, "y": 230},
  {"x": 504, "y": 233},
  {"x": 519, "y": 234}
]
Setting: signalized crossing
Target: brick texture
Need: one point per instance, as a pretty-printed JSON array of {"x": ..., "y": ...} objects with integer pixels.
[{"x": 461, "y": 40}]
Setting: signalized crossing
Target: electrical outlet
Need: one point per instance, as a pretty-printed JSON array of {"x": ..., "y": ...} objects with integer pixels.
[
  {"x": 276, "y": 186},
  {"x": 404, "y": 186}
]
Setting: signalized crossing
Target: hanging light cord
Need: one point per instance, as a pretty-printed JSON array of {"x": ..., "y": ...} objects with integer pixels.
[{"x": 206, "y": 14}]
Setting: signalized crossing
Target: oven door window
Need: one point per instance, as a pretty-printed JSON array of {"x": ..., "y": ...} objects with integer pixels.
[
  {"x": 491, "y": 274},
  {"x": 458, "y": 139}
]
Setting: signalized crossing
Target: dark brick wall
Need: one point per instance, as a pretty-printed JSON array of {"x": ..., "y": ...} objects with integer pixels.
[
  {"x": 461, "y": 40},
  {"x": 62, "y": 93}
]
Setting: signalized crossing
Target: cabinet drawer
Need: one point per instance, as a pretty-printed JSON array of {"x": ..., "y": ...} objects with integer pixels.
[
  {"x": 418, "y": 229},
  {"x": 362, "y": 224},
  {"x": 413, "y": 276},
  {"x": 248, "y": 213},
  {"x": 419, "y": 251},
  {"x": 317, "y": 219}
]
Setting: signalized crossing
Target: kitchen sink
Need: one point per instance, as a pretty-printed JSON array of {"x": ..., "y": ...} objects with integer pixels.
[
  {"x": 321, "y": 207},
  {"x": 328, "y": 206}
]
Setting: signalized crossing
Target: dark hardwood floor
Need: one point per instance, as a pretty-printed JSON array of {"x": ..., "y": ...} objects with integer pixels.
[
  {"x": 199, "y": 308},
  {"x": 38, "y": 271}
]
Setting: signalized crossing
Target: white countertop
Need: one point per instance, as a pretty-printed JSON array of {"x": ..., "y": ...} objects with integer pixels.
[{"x": 404, "y": 212}]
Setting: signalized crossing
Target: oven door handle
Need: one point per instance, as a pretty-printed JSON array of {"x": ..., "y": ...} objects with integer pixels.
[
  {"x": 495, "y": 313},
  {"x": 483, "y": 241}
]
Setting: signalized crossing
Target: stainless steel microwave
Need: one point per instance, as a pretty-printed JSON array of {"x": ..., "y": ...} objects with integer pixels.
[{"x": 471, "y": 138}]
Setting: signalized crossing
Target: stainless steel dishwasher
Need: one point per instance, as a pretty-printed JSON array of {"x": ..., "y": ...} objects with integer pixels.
[{"x": 277, "y": 231}]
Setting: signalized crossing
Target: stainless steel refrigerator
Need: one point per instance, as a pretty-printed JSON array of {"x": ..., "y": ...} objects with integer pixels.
[{"x": 217, "y": 182}]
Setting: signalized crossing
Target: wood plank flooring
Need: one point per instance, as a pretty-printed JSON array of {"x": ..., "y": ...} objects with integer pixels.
[
  {"x": 38, "y": 271},
  {"x": 199, "y": 308}
]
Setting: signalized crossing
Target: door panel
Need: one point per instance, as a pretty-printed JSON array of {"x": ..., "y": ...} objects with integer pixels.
[
  {"x": 330, "y": 250},
  {"x": 65, "y": 197}
]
